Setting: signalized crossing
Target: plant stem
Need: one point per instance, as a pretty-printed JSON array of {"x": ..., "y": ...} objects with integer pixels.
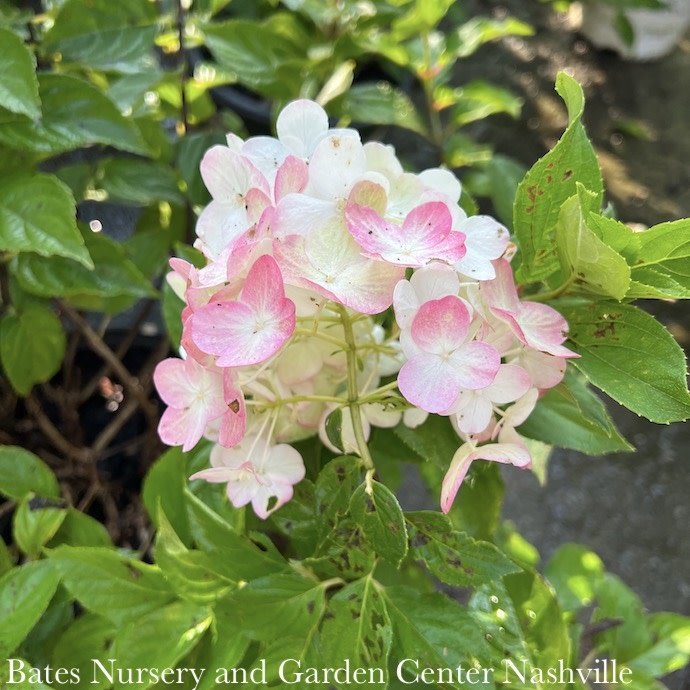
[{"x": 353, "y": 393}]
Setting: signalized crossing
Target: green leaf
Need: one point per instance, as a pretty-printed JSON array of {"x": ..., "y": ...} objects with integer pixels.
[
  {"x": 480, "y": 30},
  {"x": 659, "y": 257},
  {"x": 377, "y": 512},
  {"x": 188, "y": 154},
  {"x": 127, "y": 50},
  {"x": 18, "y": 84},
  {"x": 631, "y": 357},
  {"x": 504, "y": 176},
  {"x": 296, "y": 520},
  {"x": 670, "y": 650},
  {"x": 80, "y": 529},
  {"x": 6, "y": 558},
  {"x": 434, "y": 441},
  {"x": 86, "y": 639},
  {"x": 113, "y": 276},
  {"x": 551, "y": 181},
  {"x": 280, "y": 605},
  {"x": 421, "y": 624},
  {"x": 75, "y": 114},
  {"x": 477, "y": 509},
  {"x": 37, "y": 214},
  {"x": 112, "y": 585},
  {"x": 136, "y": 181},
  {"x": 380, "y": 104},
  {"x": 156, "y": 641},
  {"x": 32, "y": 345},
  {"x": 479, "y": 99},
  {"x": 453, "y": 557},
  {"x": 334, "y": 428},
  {"x": 35, "y": 522},
  {"x": 594, "y": 266},
  {"x": 335, "y": 485},
  {"x": 172, "y": 306},
  {"x": 575, "y": 572},
  {"x": 191, "y": 573},
  {"x": 357, "y": 629},
  {"x": 524, "y": 626},
  {"x": 629, "y": 637},
  {"x": 258, "y": 53},
  {"x": 234, "y": 556},
  {"x": 22, "y": 472},
  {"x": 164, "y": 490},
  {"x": 573, "y": 416},
  {"x": 25, "y": 593}
]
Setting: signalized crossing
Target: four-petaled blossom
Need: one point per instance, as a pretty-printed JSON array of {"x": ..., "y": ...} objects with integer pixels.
[
  {"x": 255, "y": 472},
  {"x": 254, "y": 327},
  {"x": 440, "y": 360}
]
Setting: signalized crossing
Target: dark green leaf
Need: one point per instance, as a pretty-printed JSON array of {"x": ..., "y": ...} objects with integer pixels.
[
  {"x": 32, "y": 345},
  {"x": 126, "y": 50},
  {"x": 75, "y": 114},
  {"x": 257, "y": 53},
  {"x": 120, "y": 588},
  {"x": 631, "y": 357},
  {"x": 504, "y": 176},
  {"x": 421, "y": 627},
  {"x": 334, "y": 488},
  {"x": 572, "y": 416},
  {"x": 297, "y": 519},
  {"x": 136, "y": 181},
  {"x": 188, "y": 154},
  {"x": 377, "y": 512},
  {"x": 334, "y": 428},
  {"x": 18, "y": 84},
  {"x": 453, "y": 557},
  {"x": 551, "y": 181},
  {"x": 37, "y": 214},
  {"x": 434, "y": 441},
  {"x": 22, "y": 472},
  {"x": 172, "y": 306},
  {"x": 114, "y": 275},
  {"x": 25, "y": 593},
  {"x": 280, "y": 605},
  {"x": 357, "y": 629},
  {"x": 35, "y": 522}
]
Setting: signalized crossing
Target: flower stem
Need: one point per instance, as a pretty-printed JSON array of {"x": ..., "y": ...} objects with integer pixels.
[{"x": 353, "y": 392}]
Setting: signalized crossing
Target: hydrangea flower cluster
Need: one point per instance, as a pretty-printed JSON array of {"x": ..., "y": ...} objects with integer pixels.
[{"x": 315, "y": 240}]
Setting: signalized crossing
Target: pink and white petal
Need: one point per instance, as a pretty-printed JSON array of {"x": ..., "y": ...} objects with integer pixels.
[
  {"x": 183, "y": 427},
  {"x": 516, "y": 414},
  {"x": 430, "y": 223},
  {"x": 381, "y": 158},
  {"x": 216, "y": 475},
  {"x": 429, "y": 382},
  {"x": 440, "y": 326},
  {"x": 369, "y": 193},
  {"x": 172, "y": 382},
  {"x": 505, "y": 453},
  {"x": 544, "y": 328},
  {"x": 299, "y": 214},
  {"x": 476, "y": 364},
  {"x": 228, "y": 175},
  {"x": 263, "y": 289},
  {"x": 443, "y": 181},
  {"x": 545, "y": 370},
  {"x": 500, "y": 293},
  {"x": 220, "y": 224},
  {"x": 291, "y": 178},
  {"x": 283, "y": 465},
  {"x": 475, "y": 412},
  {"x": 300, "y": 126},
  {"x": 457, "y": 471},
  {"x": 337, "y": 163},
  {"x": 511, "y": 382},
  {"x": 486, "y": 240},
  {"x": 266, "y": 153},
  {"x": 434, "y": 282}
]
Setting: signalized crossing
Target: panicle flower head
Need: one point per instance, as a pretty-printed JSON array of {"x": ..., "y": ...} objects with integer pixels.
[{"x": 332, "y": 278}]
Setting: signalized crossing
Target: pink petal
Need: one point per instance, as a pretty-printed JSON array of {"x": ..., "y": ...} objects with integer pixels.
[
  {"x": 476, "y": 364},
  {"x": 291, "y": 178},
  {"x": 459, "y": 466},
  {"x": 228, "y": 175},
  {"x": 440, "y": 326},
  {"x": 544, "y": 328},
  {"x": 429, "y": 382},
  {"x": 182, "y": 426}
]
